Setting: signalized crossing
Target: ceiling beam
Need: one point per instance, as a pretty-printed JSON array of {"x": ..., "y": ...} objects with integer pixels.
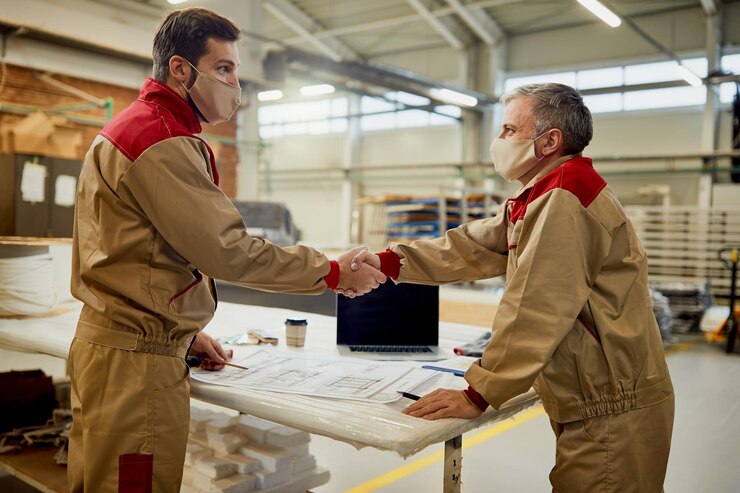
[
  {"x": 437, "y": 24},
  {"x": 306, "y": 27},
  {"x": 479, "y": 21},
  {"x": 398, "y": 20}
]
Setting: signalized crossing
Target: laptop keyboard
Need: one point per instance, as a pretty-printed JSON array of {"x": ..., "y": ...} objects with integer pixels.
[{"x": 391, "y": 349}]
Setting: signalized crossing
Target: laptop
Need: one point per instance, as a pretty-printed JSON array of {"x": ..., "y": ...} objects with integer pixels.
[{"x": 393, "y": 322}]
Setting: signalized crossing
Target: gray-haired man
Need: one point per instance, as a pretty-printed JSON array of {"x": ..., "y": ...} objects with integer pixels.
[{"x": 575, "y": 321}]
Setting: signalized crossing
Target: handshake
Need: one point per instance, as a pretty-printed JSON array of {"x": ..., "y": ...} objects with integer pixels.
[{"x": 359, "y": 272}]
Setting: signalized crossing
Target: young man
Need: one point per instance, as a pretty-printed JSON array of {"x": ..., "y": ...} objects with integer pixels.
[
  {"x": 575, "y": 321},
  {"x": 152, "y": 229}
]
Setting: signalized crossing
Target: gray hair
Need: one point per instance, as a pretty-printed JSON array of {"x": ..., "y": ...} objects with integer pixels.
[{"x": 558, "y": 106}]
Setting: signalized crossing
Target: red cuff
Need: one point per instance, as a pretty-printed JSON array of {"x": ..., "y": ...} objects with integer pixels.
[
  {"x": 390, "y": 263},
  {"x": 476, "y": 398},
  {"x": 332, "y": 278}
]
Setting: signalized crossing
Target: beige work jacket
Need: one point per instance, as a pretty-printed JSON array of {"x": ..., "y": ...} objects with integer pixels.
[
  {"x": 152, "y": 227},
  {"x": 575, "y": 320}
]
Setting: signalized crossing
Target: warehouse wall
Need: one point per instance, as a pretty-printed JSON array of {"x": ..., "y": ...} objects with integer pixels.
[
  {"x": 315, "y": 200},
  {"x": 22, "y": 87}
]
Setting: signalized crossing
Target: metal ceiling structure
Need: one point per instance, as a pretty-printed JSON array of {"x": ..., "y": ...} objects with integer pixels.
[
  {"x": 342, "y": 39},
  {"x": 361, "y": 29}
]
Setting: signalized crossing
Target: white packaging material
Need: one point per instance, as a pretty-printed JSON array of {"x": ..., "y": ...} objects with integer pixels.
[
  {"x": 304, "y": 464},
  {"x": 197, "y": 480},
  {"x": 214, "y": 467},
  {"x": 244, "y": 464},
  {"x": 298, "y": 450},
  {"x": 27, "y": 285},
  {"x": 238, "y": 483},
  {"x": 270, "y": 457},
  {"x": 282, "y": 436},
  {"x": 195, "y": 451},
  {"x": 225, "y": 444},
  {"x": 219, "y": 426},
  {"x": 268, "y": 479},
  {"x": 254, "y": 428}
]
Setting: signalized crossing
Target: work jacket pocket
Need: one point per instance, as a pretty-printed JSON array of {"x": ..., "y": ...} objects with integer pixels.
[{"x": 193, "y": 302}]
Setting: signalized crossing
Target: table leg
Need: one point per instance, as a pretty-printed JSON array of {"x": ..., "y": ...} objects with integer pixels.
[{"x": 453, "y": 464}]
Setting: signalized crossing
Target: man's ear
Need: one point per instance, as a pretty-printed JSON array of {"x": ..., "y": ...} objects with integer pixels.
[
  {"x": 180, "y": 69},
  {"x": 553, "y": 143}
]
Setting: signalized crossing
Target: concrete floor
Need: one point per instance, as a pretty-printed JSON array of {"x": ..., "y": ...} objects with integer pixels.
[{"x": 704, "y": 455}]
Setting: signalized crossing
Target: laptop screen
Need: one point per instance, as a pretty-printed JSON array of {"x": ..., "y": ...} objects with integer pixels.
[{"x": 392, "y": 315}]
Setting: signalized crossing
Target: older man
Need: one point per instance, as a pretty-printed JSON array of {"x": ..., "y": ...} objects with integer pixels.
[{"x": 575, "y": 321}]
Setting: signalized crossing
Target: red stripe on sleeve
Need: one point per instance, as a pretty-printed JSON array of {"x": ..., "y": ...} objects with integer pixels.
[
  {"x": 476, "y": 398},
  {"x": 390, "y": 263},
  {"x": 332, "y": 278}
]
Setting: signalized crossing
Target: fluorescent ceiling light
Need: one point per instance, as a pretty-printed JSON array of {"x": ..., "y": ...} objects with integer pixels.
[
  {"x": 689, "y": 76},
  {"x": 603, "y": 13},
  {"x": 176, "y": 2},
  {"x": 454, "y": 97},
  {"x": 273, "y": 95},
  {"x": 317, "y": 90}
]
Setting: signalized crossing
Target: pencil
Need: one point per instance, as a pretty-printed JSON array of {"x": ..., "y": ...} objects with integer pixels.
[{"x": 227, "y": 364}]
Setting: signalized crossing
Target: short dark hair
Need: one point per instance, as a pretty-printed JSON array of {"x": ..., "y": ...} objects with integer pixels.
[{"x": 185, "y": 33}]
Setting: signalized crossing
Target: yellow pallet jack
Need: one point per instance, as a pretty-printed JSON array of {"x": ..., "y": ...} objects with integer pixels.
[{"x": 729, "y": 328}]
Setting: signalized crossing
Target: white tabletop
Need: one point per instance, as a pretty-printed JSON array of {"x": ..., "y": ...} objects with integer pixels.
[{"x": 382, "y": 426}]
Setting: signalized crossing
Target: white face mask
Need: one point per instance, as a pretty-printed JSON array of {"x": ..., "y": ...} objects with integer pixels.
[
  {"x": 215, "y": 99},
  {"x": 514, "y": 158}
]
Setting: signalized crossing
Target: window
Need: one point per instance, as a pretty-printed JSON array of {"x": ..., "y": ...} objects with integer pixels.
[
  {"x": 640, "y": 73},
  {"x": 568, "y": 78},
  {"x": 408, "y": 99},
  {"x": 369, "y": 104},
  {"x": 664, "y": 98},
  {"x": 297, "y": 118},
  {"x": 650, "y": 72},
  {"x": 603, "y": 103},
  {"x": 331, "y": 115},
  {"x": 602, "y": 77}
]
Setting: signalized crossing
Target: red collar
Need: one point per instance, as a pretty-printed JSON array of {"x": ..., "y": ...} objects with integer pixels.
[{"x": 156, "y": 92}]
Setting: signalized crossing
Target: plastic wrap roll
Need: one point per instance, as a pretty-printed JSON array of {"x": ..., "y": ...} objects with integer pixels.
[{"x": 27, "y": 285}]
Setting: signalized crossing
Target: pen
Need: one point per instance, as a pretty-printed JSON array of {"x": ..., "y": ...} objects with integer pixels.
[
  {"x": 457, "y": 373},
  {"x": 409, "y": 395}
]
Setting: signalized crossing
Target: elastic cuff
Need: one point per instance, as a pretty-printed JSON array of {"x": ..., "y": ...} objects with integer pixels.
[
  {"x": 476, "y": 398},
  {"x": 332, "y": 278},
  {"x": 390, "y": 263}
]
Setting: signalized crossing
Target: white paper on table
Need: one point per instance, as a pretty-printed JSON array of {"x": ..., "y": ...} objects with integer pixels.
[
  {"x": 33, "y": 182},
  {"x": 65, "y": 190},
  {"x": 317, "y": 375}
]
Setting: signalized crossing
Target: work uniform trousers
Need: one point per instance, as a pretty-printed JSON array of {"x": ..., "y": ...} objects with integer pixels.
[
  {"x": 614, "y": 453},
  {"x": 131, "y": 415}
]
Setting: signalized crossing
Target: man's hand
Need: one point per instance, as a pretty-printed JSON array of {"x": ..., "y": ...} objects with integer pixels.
[
  {"x": 443, "y": 403},
  {"x": 213, "y": 354},
  {"x": 359, "y": 281},
  {"x": 365, "y": 257}
]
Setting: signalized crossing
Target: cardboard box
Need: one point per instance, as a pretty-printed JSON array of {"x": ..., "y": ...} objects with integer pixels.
[{"x": 39, "y": 134}]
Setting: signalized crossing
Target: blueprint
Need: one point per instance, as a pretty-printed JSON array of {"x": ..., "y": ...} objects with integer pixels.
[{"x": 316, "y": 375}]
